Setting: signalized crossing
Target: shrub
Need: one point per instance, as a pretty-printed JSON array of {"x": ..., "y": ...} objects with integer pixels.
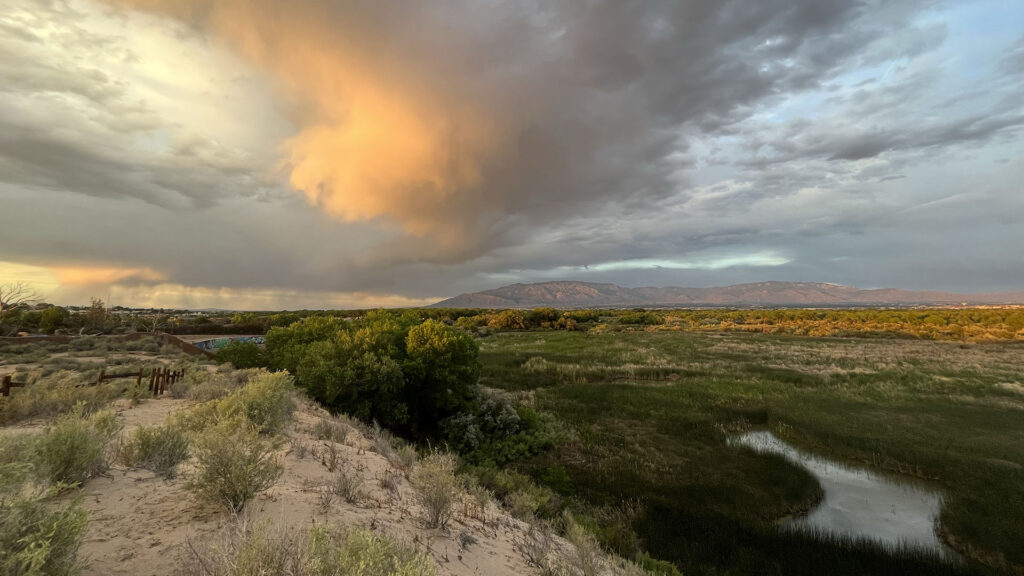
[
  {"x": 241, "y": 355},
  {"x": 264, "y": 404},
  {"x": 56, "y": 394},
  {"x": 16, "y": 456},
  {"x": 404, "y": 458},
  {"x": 435, "y": 485},
  {"x": 232, "y": 466},
  {"x": 327, "y": 429},
  {"x": 266, "y": 401},
  {"x": 323, "y": 550},
  {"x": 73, "y": 449},
  {"x": 158, "y": 448},
  {"x": 37, "y": 538},
  {"x": 347, "y": 485},
  {"x": 586, "y": 553},
  {"x": 333, "y": 551},
  {"x": 523, "y": 505}
]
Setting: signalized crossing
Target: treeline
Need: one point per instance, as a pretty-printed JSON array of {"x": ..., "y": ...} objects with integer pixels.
[
  {"x": 967, "y": 324},
  {"x": 414, "y": 376}
]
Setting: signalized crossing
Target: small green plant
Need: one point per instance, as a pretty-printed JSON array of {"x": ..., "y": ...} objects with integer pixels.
[
  {"x": 232, "y": 466},
  {"x": 158, "y": 448},
  {"x": 39, "y": 538},
  {"x": 73, "y": 449},
  {"x": 436, "y": 487}
]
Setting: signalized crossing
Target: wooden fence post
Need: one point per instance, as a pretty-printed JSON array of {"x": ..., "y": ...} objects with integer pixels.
[
  {"x": 99, "y": 379},
  {"x": 138, "y": 379},
  {"x": 5, "y": 387},
  {"x": 152, "y": 378}
]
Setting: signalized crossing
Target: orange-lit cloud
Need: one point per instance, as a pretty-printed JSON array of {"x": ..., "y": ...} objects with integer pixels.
[
  {"x": 98, "y": 275},
  {"x": 148, "y": 288},
  {"x": 375, "y": 139}
]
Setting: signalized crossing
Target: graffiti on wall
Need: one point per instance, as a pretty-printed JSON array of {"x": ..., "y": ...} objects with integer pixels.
[{"x": 218, "y": 343}]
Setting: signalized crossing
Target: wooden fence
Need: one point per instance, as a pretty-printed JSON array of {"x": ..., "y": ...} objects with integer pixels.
[{"x": 160, "y": 380}]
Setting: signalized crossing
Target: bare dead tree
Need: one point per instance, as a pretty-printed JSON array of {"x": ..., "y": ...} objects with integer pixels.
[{"x": 16, "y": 295}]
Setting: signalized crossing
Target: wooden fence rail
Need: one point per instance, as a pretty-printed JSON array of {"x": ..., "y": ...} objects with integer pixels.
[{"x": 160, "y": 380}]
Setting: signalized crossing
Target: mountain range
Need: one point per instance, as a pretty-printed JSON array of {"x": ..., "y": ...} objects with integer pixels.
[{"x": 570, "y": 294}]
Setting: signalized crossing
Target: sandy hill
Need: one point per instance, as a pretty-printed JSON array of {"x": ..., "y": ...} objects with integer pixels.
[
  {"x": 141, "y": 524},
  {"x": 569, "y": 294}
]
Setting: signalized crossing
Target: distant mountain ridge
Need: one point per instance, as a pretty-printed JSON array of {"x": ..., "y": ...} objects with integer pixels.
[{"x": 571, "y": 294}]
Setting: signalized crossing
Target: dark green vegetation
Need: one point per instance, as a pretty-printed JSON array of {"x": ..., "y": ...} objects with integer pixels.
[
  {"x": 650, "y": 413},
  {"x": 415, "y": 377},
  {"x": 390, "y": 369}
]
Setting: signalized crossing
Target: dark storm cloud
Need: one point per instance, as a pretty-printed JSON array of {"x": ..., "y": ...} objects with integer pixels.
[{"x": 550, "y": 137}]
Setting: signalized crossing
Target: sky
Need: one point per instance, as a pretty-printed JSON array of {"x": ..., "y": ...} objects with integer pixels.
[{"x": 257, "y": 154}]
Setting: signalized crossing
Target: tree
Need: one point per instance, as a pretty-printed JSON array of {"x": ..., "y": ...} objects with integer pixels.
[
  {"x": 52, "y": 318},
  {"x": 241, "y": 354},
  {"x": 96, "y": 317},
  {"x": 440, "y": 371},
  {"x": 14, "y": 297}
]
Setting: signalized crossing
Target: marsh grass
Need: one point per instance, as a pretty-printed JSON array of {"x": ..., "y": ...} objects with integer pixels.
[{"x": 937, "y": 410}]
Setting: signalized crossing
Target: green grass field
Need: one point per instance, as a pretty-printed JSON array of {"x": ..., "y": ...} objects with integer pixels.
[{"x": 651, "y": 411}]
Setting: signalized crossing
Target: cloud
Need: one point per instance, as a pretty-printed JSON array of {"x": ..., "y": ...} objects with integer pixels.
[
  {"x": 103, "y": 275},
  {"x": 425, "y": 149},
  {"x": 462, "y": 125}
]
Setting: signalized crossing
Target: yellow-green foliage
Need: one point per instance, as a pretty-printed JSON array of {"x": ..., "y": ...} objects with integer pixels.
[
  {"x": 333, "y": 551},
  {"x": 323, "y": 550},
  {"x": 157, "y": 448},
  {"x": 73, "y": 449},
  {"x": 232, "y": 465},
  {"x": 38, "y": 538},
  {"x": 264, "y": 404}
]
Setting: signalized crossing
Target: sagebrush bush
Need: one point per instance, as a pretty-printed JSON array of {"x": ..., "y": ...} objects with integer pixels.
[
  {"x": 323, "y": 550},
  {"x": 347, "y": 484},
  {"x": 157, "y": 448},
  {"x": 404, "y": 458},
  {"x": 16, "y": 461},
  {"x": 436, "y": 487},
  {"x": 232, "y": 466},
  {"x": 73, "y": 449},
  {"x": 328, "y": 429},
  {"x": 264, "y": 404},
  {"x": 56, "y": 394},
  {"x": 38, "y": 537},
  {"x": 336, "y": 551}
]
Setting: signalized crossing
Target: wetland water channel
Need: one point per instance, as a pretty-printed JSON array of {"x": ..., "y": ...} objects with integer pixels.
[{"x": 860, "y": 503}]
